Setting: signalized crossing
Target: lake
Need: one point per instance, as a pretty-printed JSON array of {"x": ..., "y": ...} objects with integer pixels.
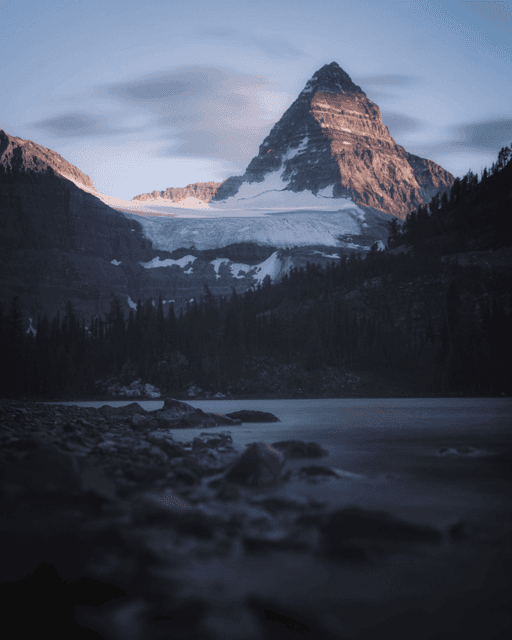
[
  {"x": 398, "y": 455},
  {"x": 388, "y": 450}
]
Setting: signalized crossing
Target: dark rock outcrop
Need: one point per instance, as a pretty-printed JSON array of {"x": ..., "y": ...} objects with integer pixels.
[
  {"x": 259, "y": 466},
  {"x": 180, "y": 415},
  {"x": 131, "y": 409},
  {"x": 248, "y": 415}
]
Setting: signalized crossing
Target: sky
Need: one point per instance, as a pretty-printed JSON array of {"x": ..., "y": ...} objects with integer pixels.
[{"x": 146, "y": 96}]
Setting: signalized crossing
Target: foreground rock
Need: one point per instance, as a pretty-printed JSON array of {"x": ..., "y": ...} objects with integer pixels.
[
  {"x": 259, "y": 466},
  {"x": 122, "y": 512},
  {"x": 180, "y": 415}
]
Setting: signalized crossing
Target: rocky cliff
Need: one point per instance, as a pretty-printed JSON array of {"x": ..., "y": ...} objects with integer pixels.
[
  {"x": 333, "y": 136},
  {"x": 204, "y": 191},
  {"x": 18, "y": 157}
]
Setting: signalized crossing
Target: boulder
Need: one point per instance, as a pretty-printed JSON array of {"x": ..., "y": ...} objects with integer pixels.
[
  {"x": 128, "y": 410},
  {"x": 150, "y": 391},
  {"x": 300, "y": 449},
  {"x": 259, "y": 466},
  {"x": 180, "y": 415},
  {"x": 142, "y": 423},
  {"x": 175, "y": 406},
  {"x": 214, "y": 452},
  {"x": 213, "y": 441},
  {"x": 247, "y": 415},
  {"x": 167, "y": 444}
]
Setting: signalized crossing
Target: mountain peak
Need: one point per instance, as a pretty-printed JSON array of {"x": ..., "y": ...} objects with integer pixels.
[
  {"x": 24, "y": 156},
  {"x": 332, "y": 79},
  {"x": 333, "y": 138}
]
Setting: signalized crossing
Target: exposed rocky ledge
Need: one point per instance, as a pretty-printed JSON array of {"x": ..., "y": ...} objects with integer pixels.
[
  {"x": 107, "y": 500},
  {"x": 204, "y": 191}
]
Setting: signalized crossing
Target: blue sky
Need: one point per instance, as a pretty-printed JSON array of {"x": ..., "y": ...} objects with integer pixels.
[{"x": 149, "y": 96}]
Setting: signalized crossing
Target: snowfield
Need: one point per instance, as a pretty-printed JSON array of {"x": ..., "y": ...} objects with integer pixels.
[
  {"x": 264, "y": 213},
  {"x": 281, "y": 230}
]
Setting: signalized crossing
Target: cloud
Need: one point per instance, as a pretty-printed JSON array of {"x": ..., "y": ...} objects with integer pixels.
[
  {"x": 497, "y": 14},
  {"x": 75, "y": 125},
  {"x": 386, "y": 80},
  {"x": 273, "y": 46},
  {"x": 372, "y": 84},
  {"x": 480, "y": 136},
  {"x": 206, "y": 111},
  {"x": 399, "y": 123}
]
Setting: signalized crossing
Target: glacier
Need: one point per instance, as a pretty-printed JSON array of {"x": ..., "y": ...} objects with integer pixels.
[
  {"x": 301, "y": 228},
  {"x": 265, "y": 213}
]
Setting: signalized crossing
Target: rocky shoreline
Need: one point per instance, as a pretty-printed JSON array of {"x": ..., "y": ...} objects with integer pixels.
[{"x": 103, "y": 513}]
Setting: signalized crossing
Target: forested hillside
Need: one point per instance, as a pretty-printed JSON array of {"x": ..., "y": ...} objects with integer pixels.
[{"x": 434, "y": 307}]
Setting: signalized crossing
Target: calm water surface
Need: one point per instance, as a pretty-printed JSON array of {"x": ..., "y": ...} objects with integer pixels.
[{"x": 387, "y": 450}]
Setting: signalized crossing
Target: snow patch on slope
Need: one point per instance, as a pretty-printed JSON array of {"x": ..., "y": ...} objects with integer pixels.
[
  {"x": 273, "y": 266},
  {"x": 168, "y": 262},
  {"x": 238, "y": 268},
  {"x": 216, "y": 265},
  {"x": 334, "y": 255}
]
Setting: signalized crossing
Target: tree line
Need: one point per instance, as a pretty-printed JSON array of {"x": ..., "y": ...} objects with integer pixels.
[
  {"x": 459, "y": 343},
  {"x": 475, "y": 214}
]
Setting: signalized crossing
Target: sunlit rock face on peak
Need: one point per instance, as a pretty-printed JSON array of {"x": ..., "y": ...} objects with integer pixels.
[
  {"x": 19, "y": 157},
  {"x": 332, "y": 140}
]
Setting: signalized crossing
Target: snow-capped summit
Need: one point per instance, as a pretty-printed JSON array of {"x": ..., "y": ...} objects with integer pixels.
[
  {"x": 332, "y": 140},
  {"x": 328, "y": 171}
]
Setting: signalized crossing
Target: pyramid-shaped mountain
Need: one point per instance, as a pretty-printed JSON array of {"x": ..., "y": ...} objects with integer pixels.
[{"x": 332, "y": 140}]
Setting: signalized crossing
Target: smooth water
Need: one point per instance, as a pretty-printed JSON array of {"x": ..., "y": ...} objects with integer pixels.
[{"x": 388, "y": 450}]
